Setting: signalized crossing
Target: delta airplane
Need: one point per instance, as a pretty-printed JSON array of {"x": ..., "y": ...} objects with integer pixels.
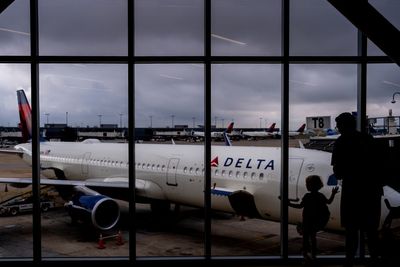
[
  {"x": 298, "y": 131},
  {"x": 269, "y": 132},
  {"x": 245, "y": 180},
  {"x": 215, "y": 134}
]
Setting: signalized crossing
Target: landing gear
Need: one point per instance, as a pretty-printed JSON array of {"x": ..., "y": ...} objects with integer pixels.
[{"x": 160, "y": 207}]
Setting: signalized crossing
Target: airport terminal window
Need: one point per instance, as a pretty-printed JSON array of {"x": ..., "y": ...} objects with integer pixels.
[
  {"x": 14, "y": 33},
  {"x": 61, "y": 32},
  {"x": 328, "y": 33},
  {"x": 235, "y": 58}
]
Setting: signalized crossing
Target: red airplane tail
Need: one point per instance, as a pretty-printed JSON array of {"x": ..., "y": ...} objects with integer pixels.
[
  {"x": 230, "y": 128},
  {"x": 25, "y": 116},
  {"x": 301, "y": 129},
  {"x": 271, "y": 128}
]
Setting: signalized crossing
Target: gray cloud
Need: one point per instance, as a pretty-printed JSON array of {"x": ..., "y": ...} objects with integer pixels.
[{"x": 242, "y": 92}]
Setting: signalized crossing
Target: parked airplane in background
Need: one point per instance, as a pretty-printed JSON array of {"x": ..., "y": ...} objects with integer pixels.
[
  {"x": 215, "y": 134},
  {"x": 173, "y": 134},
  {"x": 269, "y": 132},
  {"x": 299, "y": 131},
  {"x": 245, "y": 180}
]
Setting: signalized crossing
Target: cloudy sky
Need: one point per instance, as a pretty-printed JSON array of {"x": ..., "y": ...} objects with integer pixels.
[{"x": 170, "y": 94}]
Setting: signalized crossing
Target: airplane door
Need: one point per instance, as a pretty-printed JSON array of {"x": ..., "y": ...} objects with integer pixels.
[
  {"x": 85, "y": 165},
  {"x": 171, "y": 172},
  {"x": 295, "y": 165}
]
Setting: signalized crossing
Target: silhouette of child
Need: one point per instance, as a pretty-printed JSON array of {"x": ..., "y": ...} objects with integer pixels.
[{"x": 315, "y": 214}]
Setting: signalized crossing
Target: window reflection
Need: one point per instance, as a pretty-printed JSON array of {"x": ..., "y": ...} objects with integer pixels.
[
  {"x": 168, "y": 97},
  {"x": 80, "y": 106},
  {"x": 241, "y": 93},
  {"x": 83, "y": 28},
  {"x": 14, "y": 29},
  {"x": 249, "y": 96},
  {"x": 318, "y": 93},
  {"x": 250, "y": 28},
  {"x": 389, "y": 9},
  {"x": 169, "y": 27},
  {"x": 317, "y": 28},
  {"x": 383, "y": 83},
  {"x": 15, "y": 197}
]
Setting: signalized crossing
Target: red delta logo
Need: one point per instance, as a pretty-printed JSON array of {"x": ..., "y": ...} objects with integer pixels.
[{"x": 214, "y": 162}]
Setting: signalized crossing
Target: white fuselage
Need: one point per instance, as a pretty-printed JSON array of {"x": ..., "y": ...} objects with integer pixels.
[
  {"x": 260, "y": 134},
  {"x": 176, "y": 172}
]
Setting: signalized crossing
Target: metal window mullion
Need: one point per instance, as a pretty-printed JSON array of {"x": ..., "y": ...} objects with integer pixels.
[
  {"x": 362, "y": 104},
  {"x": 362, "y": 82},
  {"x": 285, "y": 130},
  {"x": 207, "y": 130},
  {"x": 36, "y": 219},
  {"x": 131, "y": 130}
]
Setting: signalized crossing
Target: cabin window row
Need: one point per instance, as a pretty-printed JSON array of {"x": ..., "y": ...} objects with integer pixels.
[
  {"x": 149, "y": 166},
  {"x": 87, "y": 161},
  {"x": 198, "y": 171},
  {"x": 239, "y": 174}
]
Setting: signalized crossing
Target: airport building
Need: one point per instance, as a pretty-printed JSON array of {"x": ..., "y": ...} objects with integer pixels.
[{"x": 148, "y": 63}]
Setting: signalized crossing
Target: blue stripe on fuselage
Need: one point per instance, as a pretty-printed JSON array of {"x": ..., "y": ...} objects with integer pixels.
[{"x": 220, "y": 192}]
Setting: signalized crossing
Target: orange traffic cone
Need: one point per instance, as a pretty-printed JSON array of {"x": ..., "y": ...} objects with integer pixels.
[
  {"x": 119, "y": 239},
  {"x": 101, "y": 244}
]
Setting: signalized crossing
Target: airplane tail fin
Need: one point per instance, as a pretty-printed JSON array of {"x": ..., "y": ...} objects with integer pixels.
[
  {"x": 301, "y": 129},
  {"x": 25, "y": 116},
  {"x": 271, "y": 128},
  {"x": 230, "y": 127}
]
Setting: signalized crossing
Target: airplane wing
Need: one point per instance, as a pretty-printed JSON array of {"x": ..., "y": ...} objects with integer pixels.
[
  {"x": 95, "y": 182},
  {"x": 143, "y": 188},
  {"x": 11, "y": 151}
]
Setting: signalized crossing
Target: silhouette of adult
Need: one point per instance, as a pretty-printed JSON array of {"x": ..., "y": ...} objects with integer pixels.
[{"x": 353, "y": 161}]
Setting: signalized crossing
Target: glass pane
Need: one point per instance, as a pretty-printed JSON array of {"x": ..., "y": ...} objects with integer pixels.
[
  {"x": 83, "y": 27},
  {"x": 15, "y": 198},
  {"x": 246, "y": 28},
  {"x": 383, "y": 111},
  {"x": 246, "y": 176},
  {"x": 80, "y": 110},
  {"x": 14, "y": 29},
  {"x": 318, "y": 94},
  {"x": 383, "y": 88},
  {"x": 169, "y": 27},
  {"x": 390, "y": 10},
  {"x": 318, "y": 29},
  {"x": 168, "y": 166}
]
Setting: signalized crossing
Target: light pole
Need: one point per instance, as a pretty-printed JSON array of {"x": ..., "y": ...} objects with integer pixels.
[
  {"x": 151, "y": 121},
  {"x": 120, "y": 120},
  {"x": 194, "y": 119},
  {"x": 396, "y": 93},
  {"x": 172, "y": 119},
  {"x": 47, "y": 115},
  {"x": 66, "y": 118},
  {"x": 260, "y": 122},
  {"x": 100, "y": 115}
]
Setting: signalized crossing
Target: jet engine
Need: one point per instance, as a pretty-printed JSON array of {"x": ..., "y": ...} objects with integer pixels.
[{"x": 99, "y": 210}]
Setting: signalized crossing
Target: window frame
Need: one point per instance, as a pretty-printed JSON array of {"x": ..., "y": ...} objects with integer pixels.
[{"x": 34, "y": 60}]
